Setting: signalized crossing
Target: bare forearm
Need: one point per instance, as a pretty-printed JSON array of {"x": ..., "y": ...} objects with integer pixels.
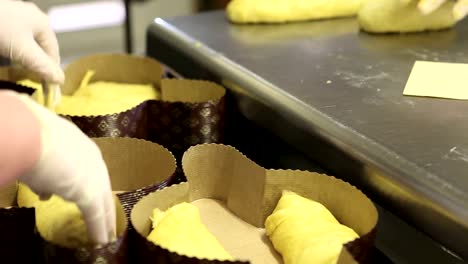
[{"x": 20, "y": 140}]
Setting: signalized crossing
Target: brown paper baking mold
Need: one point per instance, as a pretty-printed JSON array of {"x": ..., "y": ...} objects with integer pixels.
[
  {"x": 51, "y": 252},
  {"x": 19, "y": 241},
  {"x": 189, "y": 112},
  {"x": 113, "y": 253},
  {"x": 136, "y": 167},
  {"x": 251, "y": 193},
  {"x": 7, "y": 85}
]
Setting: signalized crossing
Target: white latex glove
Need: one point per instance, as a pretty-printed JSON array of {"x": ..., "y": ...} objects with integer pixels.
[
  {"x": 71, "y": 166},
  {"x": 27, "y": 39},
  {"x": 460, "y": 10}
]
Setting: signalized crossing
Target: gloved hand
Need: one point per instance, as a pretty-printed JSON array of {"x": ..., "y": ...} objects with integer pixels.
[
  {"x": 460, "y": 10},
  {"x": 71, "y": 166},
  {"x": 27, "y": 38}
]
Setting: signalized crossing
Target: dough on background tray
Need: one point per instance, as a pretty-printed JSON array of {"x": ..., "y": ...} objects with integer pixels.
[
  {"x": 280, "y": 11},
  {"x": 394, "y": 16},
  {"x": 304, "y": 231},
  {"x": 180, "y": 229}
]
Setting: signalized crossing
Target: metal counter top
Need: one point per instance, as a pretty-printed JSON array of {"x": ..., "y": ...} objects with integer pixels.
[{"x": 330, "y": 80}]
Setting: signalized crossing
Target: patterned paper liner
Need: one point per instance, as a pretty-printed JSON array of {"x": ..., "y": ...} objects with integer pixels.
[
  {"x": 263, "y": 188},
  {"x": 189, "y": 112},
  {"x": 129, "y": 199},
  {"x": 175, "y": 125}
]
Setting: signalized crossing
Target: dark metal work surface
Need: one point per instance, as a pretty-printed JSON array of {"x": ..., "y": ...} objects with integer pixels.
[{"x": 336, "y": 94}]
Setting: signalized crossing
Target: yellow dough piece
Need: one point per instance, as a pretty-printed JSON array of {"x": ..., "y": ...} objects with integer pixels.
[
  {"x": 108, "y": 98},
  {"x": 394, "y": 16},
  {"x": 38, "y": 96},
  {"x": 30, "y": 84},
  {"x": 304, "y": 231},
  {"x": 26, "y": 197},
  {"x": 280, "y": 11},
  {"x": 179, "y": 229},
  {"x": 57, "y": 220},
  {"x": 99, "y": 98}
]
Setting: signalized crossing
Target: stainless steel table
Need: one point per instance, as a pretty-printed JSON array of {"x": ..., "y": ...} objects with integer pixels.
[{"x": 336, "y": 95}]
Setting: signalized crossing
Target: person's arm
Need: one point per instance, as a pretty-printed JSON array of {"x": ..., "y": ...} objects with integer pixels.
[
  {"x": 20, "y": 138},
  {"x": 53, "y": 156},
  {"x": 47, "y": 152}
]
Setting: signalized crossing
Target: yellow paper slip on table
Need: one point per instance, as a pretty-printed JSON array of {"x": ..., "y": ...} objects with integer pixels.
[{"x": 438, "y": 79}]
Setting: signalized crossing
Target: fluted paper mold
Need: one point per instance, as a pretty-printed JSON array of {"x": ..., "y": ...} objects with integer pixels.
[{"x": 221, "y": 179}]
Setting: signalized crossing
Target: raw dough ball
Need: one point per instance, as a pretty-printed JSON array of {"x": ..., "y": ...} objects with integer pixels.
[
  {"x": 179, "y": 229},
  {"x": 279, "y": 11},
  {"x": 57, "y": 220},
  {"x": 304, "y": 231},
  {"x": 393, "y": 16}
]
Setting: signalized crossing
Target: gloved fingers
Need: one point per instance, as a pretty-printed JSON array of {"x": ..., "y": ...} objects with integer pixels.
[
  {"x": 47, "y": 40},
  {"x": 429, "y": 6},
  {"x": 460, "y": 10},
  {"x": 110, "y": 215},
  {"x": 107, "y": 197},
  {"x": 29, "y": 54},
  {"x": 57, "y": 94},
  {"x": 96, "y": 224},
  {"x": 109, "y": 206},
  {"x": 103, "y": 184},
  {"x": 98, "y": 208}
]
